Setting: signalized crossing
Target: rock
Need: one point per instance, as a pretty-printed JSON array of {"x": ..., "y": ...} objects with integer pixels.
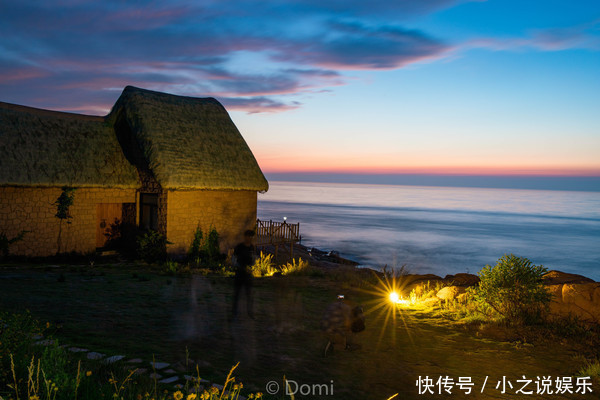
[
  {"x": 169, "y": 371},
  {"x": 46, "y": 342},
  {"x": 78, "y": 350},
  {"x": 172, "y": 379},
  {"x": 449, "y": 293},
  {"x": 139, "y": 371},
  {"x": 462, "y": 279},
  {"x": 430, "y": 301},
  {"x": 94, "y": 356},
  {"x": 154, "y": 375},
  {"x": 556, "y": 292},
  {"x": 557, "y": 277},
  {"x": 113, "y": 359},
  {"x": 159, "y": 365}
]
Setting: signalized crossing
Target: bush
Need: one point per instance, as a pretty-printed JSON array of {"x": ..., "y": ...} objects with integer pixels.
[
  {"x": 195, "y": 253},
  {"x": 5, "y": 242},
  {"x": 263, "y": 266},
  {"x": 513, "y": 289},
  {"x": 152, "y": 247}
]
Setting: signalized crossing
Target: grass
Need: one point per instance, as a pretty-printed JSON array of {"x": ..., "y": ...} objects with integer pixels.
[{"x": 122, "y": 309}]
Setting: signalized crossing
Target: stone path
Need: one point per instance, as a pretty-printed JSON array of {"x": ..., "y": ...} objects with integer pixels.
[{"x": 165, "y": 373}]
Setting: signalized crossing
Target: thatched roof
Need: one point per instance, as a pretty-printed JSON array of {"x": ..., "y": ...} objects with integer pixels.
[
  {"x": 48, "y": 148},
  {"x": 187, "y": 142}
]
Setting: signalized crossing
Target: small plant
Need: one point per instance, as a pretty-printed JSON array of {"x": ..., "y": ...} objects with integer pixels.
[
  {"x": 263, "y": 266},
  {"x": 295, "y": 267},
  {"x": 5, "y": 242},
  {"x": 196, "y": 252},
  {"x": 513, "y": 289},
  {"x": 171, "y": 267},
  {"x": 152, "y": 247},
  {"x": 211, "y": 245},
  {"x": 63, "y": 204},
  {"x": 591, "y": 368}
]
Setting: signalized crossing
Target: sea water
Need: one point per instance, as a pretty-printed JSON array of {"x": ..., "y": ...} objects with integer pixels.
[{"x": 442, "y": 230}]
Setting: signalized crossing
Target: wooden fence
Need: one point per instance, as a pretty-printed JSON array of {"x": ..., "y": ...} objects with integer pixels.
[{"x": 277, "y": 233}]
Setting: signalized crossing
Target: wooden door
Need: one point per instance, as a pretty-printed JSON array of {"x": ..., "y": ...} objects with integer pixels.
[{"x": 106, "y": 215}]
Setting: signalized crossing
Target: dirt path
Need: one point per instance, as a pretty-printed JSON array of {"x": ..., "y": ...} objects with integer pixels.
[{"x": 142, "y": 314}]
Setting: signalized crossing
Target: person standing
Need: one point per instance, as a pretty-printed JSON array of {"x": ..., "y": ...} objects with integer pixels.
[{"x": 245, "y": 256}]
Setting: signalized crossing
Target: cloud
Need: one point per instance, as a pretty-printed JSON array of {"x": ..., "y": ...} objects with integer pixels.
[
  {"x": 581, "y": 37},
  {"x": 75, "y": 49}
]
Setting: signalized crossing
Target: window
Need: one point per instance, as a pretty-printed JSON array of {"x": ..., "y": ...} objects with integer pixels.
[{"x": 149, "y": 211}]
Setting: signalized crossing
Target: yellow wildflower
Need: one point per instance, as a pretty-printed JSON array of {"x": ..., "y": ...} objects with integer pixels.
[
  {"x": 34, "y": 397},
  {"x": 89, "y": 373},
  {"x": 191, "y": 396},
  {"x": 178, "y": 395},
  {"x": 112, "y": 381}
]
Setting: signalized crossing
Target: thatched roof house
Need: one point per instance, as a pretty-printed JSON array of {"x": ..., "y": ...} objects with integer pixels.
[{"x": 160, "y": 161}]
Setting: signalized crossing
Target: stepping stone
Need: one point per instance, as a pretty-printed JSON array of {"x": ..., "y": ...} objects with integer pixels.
[
  {"x": 113, "y": 359},
  {"x": 159, "y": 365},
  {"x": 154, "y": 375},
  {"x": 193, "y": 378},
  {"x": 78, "y": 350},
  {"x": 139, "y": 371},
  {"x": 169, "y": 380},
  {"x": 135, "y": 361},
  {"x": 46, "y": 342},
  {"x": 169, "y": 371},
  {"x": 92, "y": 355}
]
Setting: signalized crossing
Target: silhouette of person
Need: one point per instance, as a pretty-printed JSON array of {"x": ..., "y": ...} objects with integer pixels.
[{"x": 245, "y": 255}]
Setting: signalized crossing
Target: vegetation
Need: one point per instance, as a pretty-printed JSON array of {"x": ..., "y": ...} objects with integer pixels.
[
  {"x": 512, "y": 289},
  {"x": 63, "y": 203},
  {"x": 5, "y": 242},
  {"x": 152, "y": 247},
  {"x": 205, "y": 251},
  {"x": 50, "y": 372},
  {"x": 265, "y": 266}
]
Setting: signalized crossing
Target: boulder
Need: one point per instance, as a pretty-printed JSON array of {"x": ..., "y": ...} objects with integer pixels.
[
  {"x": 462, "y": 279},
  {"x": 450, "y": 292},
  {"x": 558, "y": 277},
  {"x": 556, "y": 292}
]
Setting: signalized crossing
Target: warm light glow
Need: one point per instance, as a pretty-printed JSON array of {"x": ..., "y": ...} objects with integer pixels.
[{"x": 397, "y": 299}]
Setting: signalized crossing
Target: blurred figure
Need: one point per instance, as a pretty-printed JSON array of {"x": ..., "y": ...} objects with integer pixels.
[
  {"x": 244, "y": 256},
  {"x": 340, "y": 322}
]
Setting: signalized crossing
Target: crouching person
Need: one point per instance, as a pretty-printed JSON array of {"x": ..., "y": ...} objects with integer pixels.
[{"x": 341, "y": 321}]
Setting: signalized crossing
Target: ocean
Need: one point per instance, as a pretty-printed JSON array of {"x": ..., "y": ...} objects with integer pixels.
[{"x": 442, "y": 230}]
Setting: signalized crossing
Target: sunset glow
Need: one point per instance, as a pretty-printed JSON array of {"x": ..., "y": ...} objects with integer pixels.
[{"x": 425, "y": 87}]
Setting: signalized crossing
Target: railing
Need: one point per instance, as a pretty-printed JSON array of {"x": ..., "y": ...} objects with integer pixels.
[{"x": 277, "y": 233}]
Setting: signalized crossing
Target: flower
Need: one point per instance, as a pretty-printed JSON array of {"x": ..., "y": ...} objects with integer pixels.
[
  {"x": 112, "y": 381},
  {"x": 89, "y": 373},
  {"x": 178, "y": 395},
  {"x": 191, "y": 396},
  {"x": 34, "y": 397}
]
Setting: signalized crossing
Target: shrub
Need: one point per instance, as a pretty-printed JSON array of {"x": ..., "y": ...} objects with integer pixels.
[
  {"x": 211, "y": 245},
  {"x": 195, "y": 252},
  {"x": 513, "y": 289},
  {"x": 295, "y": 267},
  {"x": 5, "y": 242},
  {"x": 152, "y": 247},
  {"x": 263, "y": 266}
]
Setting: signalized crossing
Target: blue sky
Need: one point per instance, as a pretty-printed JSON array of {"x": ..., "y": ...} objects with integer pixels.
[{"x": 430, "y": 86}]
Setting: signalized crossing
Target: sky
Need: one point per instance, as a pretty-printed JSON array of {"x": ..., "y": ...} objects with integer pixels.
[{"x": 424, "y": 87}]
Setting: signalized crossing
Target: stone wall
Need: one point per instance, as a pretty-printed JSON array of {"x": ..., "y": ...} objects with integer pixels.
[
  {"x": 230, "y": 212},
  {"x": 33, "y": 209}
]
